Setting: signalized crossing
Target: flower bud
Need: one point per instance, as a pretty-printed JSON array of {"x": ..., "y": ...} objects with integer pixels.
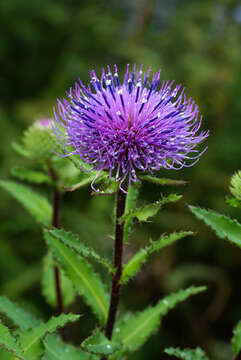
[{"x": 39, "y": 140}]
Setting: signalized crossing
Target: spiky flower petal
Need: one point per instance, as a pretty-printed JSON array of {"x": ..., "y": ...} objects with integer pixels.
[{"x": 138, "y": 125}]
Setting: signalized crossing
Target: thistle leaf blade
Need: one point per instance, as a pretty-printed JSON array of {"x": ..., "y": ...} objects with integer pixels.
[
  {"x": 36, "y": 204},
  {"x": 55, "y": 349},
  {"x": 147, "y": 211},
  {"x": 73, "y": 241},
  {"x": 20, "y": 149},
  {"x": 9, "y": 343},
  {"x": 136, "y": 330},
  {"x": 30, "y": 339},
  {"x": 187, "y": 354},
  {"x": 225, "y": 227},
  {"x": 163, "y": 181},
  {"x": 86, "y": 282},
  {"x": 32, "y": 176},
  {"x": 20, "y": 317},
  {"x": 141, "y": 257}
]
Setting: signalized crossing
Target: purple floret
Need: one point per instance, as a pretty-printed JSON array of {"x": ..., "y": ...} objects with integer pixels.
[{"x": 127, "y": 128}]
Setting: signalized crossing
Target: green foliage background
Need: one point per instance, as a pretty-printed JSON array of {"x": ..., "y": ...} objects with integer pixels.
[{"x": 44, "y": 47}]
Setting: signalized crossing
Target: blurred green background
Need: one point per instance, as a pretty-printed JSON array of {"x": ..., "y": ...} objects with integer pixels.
[{"x": 44, "y": 47}]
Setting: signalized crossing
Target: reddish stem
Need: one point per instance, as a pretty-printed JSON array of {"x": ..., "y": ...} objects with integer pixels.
[
  {"x": 115, "y": 292},
  {"x": 55, "y": 223}
]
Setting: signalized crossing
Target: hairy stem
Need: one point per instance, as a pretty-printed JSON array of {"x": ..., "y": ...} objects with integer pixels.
[
  {"x": 55, "y": 223},
  {"x": 115, "y": 291}
]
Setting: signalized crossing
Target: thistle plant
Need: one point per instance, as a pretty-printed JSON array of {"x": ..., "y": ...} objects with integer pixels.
[
  {"x": 128, "y": 129},
  {"x": 117, "y": 134}
]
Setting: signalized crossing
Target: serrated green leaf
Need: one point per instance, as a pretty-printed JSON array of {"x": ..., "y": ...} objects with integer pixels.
[
  {"x": 137, "y": 328},
  {"x": 131, "y": 200},
  {"x": 30, "y": 339},
  {"x": 236, "y": 339},
  {"x": 86, "y": 282},
  {"x": 20, "y": 149},
  {"x": 55, "y": 349},
  {"x": 73, "y": 241},
  {"x": 147, "y": 211},
  {"x": 140, "y": 258},
  {"x": 98, "y": 344},
  {"x": 36, "y": 204},
  {"x": 225, "y": 227},
  {"x": 32, "y": 176},
  {"x": 8, "y": 342},
  {"x": 19, "y": 316},
  {"x": 163, "y": 181},
  {"x": 48, "y": 284},
  {"x": 187, "y": 354}
]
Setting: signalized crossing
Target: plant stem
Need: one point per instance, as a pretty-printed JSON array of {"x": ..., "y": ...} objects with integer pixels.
[
  {"x": 55, "y": 223},
  {"x": 58, "y": 290},
  {"x": 115, "y": 292}
]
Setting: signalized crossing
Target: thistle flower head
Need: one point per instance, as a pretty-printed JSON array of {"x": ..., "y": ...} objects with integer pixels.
[{"x": 137, "y": 125}]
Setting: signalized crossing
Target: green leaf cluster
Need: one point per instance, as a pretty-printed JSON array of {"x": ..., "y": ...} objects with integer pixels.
[
  {"x": 26, "y": 343},
  {"x": 135, "y": 329},
  {"x": 131, "y": 332},
  {"x": 55, "y": 349},
  {"x": 29, "y": 340}
]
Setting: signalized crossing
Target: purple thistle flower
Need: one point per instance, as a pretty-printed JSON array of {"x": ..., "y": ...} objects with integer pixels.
[{"x": 134, "y": 126}]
